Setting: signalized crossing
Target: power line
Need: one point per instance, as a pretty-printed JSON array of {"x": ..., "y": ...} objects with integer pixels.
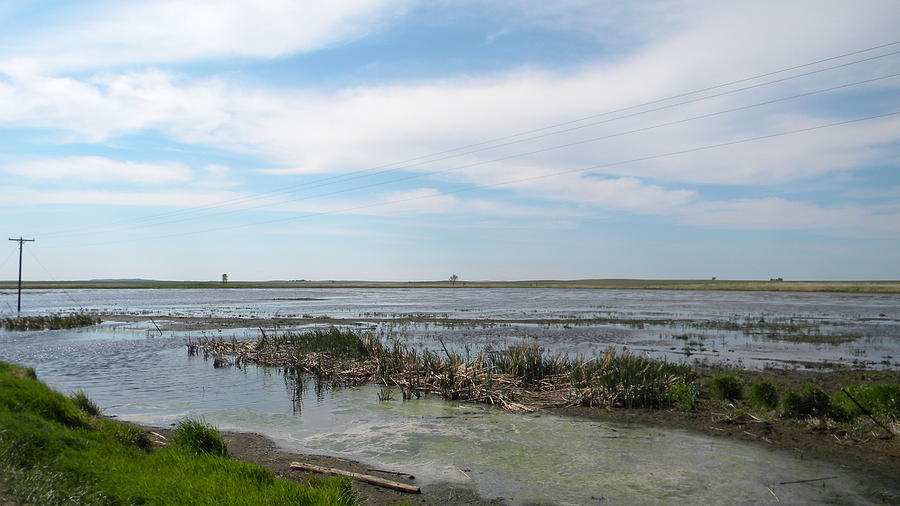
[
  {"x": 530, "y": 178},
  {"x": 46, "y": 271},
  {"x": 543, "y": 150},
  {"x": 373, "y": 171}
]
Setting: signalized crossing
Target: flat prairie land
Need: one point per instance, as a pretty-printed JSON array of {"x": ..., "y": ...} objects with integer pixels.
[{"x": 608, "y": 284}]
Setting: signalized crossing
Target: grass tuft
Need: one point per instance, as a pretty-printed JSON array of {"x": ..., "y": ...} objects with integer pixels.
[
  {"x": 811, "y": 401},
  {"x": 726, "y": 388},
  {"x": 684, "y": 396},
  {"x": 763, "y": 395},
  {"x": 84, "y": 403},
  {"x": 199, "y": 437}
]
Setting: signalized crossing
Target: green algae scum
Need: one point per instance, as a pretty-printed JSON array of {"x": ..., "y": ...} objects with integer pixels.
[{"x": 54, "y": 452}]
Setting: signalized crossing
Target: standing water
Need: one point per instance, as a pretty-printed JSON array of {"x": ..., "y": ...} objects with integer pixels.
[{"x": 141, "y": 375}]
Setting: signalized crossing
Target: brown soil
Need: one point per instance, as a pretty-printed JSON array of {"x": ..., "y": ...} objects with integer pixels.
[{"x": 258, "y": 449}]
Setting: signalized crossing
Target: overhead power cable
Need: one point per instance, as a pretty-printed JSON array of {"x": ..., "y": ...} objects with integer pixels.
[
  {"x": 539, "y": 151},
  {"x": 520, "y": 180},
  {"x": 461, "y": 151}
]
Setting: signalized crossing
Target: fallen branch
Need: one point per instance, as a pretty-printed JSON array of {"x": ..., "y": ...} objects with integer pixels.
[
  {"x": 807, "y": 481},
  {"x": 367, "y": 478}
]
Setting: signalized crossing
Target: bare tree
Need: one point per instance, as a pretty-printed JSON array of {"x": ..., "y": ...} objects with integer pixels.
[{"x": 453, "y": 279}]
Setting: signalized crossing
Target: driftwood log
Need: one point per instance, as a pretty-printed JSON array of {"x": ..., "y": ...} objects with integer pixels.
[{"x": 367, "y": 478}]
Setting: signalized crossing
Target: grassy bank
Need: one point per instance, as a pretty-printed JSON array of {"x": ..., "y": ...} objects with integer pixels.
[
  {"x": 50, "y": 322},
  {"x": 617, "y": 284},
  {"x": 57, "y": 450}
]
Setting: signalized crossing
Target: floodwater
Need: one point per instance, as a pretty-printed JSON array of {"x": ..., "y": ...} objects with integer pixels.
[
  {"x": 749, "y": 329},
  {"x": 522, "y": 458},
  {"x": 139, "y": 374}
]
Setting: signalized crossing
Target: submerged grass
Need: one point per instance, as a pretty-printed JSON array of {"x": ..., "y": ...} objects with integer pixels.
[
  {"x": 53, "y": 452},
  {"x": 518, "y": 378},
  {"x": 50, "y": 322}
]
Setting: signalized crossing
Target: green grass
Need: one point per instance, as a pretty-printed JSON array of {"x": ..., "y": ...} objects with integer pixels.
[
  {"x": 49, "y": 322},
  {"x": 200, "y": 438},
  {"x": 880, "y": 399},
  {"x": 53, "y": 452},
  {"x": 726, "y": 388},
  {"x": 763, "y": 395},
  {"x": 811, "y": 401},
  {"x": 684, "y": 396}
]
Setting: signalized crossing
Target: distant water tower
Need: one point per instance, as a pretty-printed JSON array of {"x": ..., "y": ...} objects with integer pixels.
[{"x": 224, "y": 279}]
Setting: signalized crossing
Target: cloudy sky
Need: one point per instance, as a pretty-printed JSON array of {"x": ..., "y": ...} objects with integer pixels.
[{"x": 405, "y": 140}]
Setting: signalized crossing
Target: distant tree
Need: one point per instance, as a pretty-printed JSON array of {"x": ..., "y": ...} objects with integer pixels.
[
  {"x": 453, "y": 279},
  {"x": 224, "y": 279}
]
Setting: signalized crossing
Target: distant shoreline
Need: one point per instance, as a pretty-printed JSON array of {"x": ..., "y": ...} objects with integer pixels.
[{"x": 597, "y": 284}]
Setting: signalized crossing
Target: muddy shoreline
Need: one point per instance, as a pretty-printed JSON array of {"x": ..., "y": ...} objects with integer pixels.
[{"x": 259, "y": 449}]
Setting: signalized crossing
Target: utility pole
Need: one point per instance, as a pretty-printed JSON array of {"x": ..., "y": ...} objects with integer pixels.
[{"x": 21, "y": 242}]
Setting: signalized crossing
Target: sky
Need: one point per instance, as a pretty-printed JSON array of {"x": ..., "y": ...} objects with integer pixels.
[{"x": 409, "y": 140}]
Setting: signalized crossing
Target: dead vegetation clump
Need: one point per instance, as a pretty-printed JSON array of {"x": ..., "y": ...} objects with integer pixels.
[{"x": 516, "y": 378}]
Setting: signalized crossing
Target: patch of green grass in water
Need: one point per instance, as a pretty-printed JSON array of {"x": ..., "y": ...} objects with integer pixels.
[{"x": 49, "y": 322}]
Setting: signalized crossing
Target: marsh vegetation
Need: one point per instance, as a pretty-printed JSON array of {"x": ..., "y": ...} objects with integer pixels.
[
  {"x": 525, "y": 378},
  {"x": 49, "y": 322}
]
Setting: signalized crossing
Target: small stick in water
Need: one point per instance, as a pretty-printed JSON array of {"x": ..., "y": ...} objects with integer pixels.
[{"x": 806, "y": 481}]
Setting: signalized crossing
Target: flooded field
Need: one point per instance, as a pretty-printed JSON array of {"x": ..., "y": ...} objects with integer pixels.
[
  {"x": 139, "y": 374},
  {"x": 750, "y": 329}
]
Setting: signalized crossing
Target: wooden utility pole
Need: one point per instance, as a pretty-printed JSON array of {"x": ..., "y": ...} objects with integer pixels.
[{"x": 21, "y": 242}]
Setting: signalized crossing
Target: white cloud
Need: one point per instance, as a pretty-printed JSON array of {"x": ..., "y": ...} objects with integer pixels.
[
  {"x": 302, "y": 131},
  {"x": 780, "y": 214},
  {"x": 98, "y": 169},
  {"x": 184, "y": 30}
]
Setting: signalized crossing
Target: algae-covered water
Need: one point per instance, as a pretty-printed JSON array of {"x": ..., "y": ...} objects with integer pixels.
[{"x": 532, "y": 458}]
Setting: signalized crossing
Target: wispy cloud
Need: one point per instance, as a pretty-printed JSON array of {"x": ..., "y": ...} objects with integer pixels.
[
  {"x": 184, "y": 30},
  {"x": 98, "y": 169}
]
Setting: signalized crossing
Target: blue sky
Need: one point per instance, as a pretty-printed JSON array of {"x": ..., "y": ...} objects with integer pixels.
[{"x": 405, "y": 140}]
